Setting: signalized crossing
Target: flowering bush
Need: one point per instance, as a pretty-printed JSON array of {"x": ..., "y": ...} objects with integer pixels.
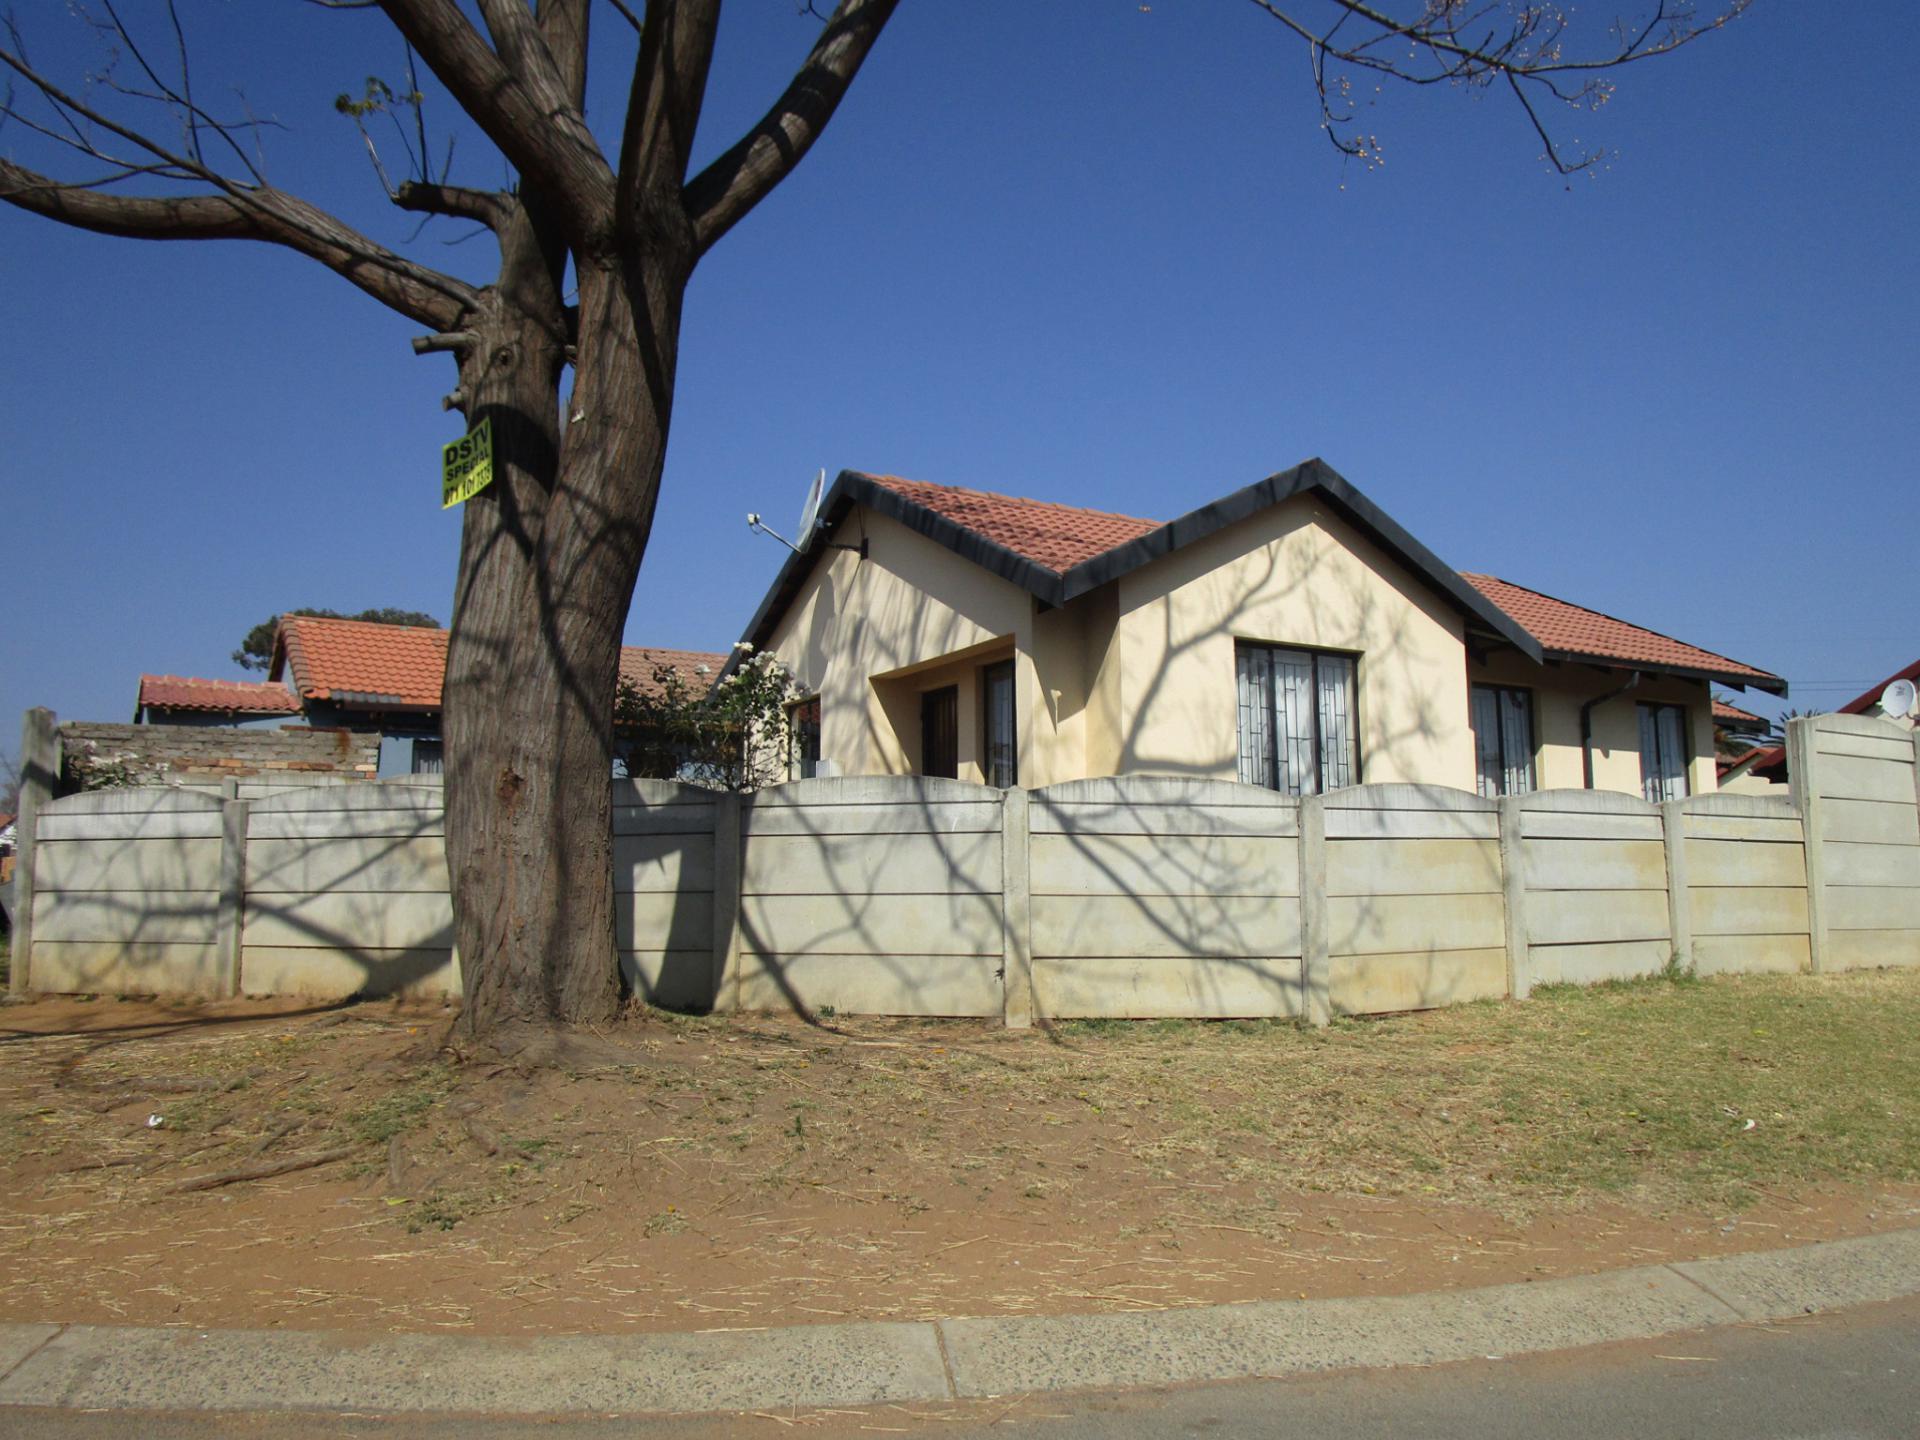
[{"x": 733, "y": 736}]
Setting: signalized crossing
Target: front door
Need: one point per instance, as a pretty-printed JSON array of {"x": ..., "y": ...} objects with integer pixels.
[{"x": 940, "y": 732}]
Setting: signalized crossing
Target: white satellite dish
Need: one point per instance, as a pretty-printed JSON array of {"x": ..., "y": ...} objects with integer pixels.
[
  {"x": 810, "y": 512},
  {"x": 1898, "y": 698}
]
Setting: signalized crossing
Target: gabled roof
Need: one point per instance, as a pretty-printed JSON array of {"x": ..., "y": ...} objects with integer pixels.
[
  {"x": 1060, "y": 552},
  {"x": 237, "y": 697},
  {"x": 400, "y": 667},
  {"x": 1572, "y": 632},
  {"x": 1732, "y": 717},
  {"x": 357, "y": 662}
]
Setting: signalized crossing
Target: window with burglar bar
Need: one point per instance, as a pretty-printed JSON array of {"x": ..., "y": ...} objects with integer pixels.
[
  {"x": 1663, "y": 752},
  {"x": 1297, "y": 730},
  {"x": 1502, "y": 740}
]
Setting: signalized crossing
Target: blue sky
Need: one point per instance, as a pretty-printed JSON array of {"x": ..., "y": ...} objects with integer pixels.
[{"x": 1083, "y": 250}]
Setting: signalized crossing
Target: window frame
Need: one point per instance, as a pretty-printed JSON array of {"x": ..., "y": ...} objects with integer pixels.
[
  {"x": 1653, "y": 709},
  {"x": 1500, "y": 737},
  {"x": 989, "y": 674},
  {"x": 800, "y": 765},
  {"x": 1317, "y": 766}
]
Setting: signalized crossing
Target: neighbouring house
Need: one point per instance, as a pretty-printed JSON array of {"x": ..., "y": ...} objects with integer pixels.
[
  {"x": 6, "y": 850},
  {"x": 357, "y": 675},
  {"x": 242, "y": 704},
  {"x": 1738, "y": 742},
  {"x": 1290, "y": 634},
  {"x": 1770, "y": 765}
]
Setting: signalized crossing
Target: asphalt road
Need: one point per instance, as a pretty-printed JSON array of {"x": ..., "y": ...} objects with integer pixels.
[{"x": 1853, "y": 1375}]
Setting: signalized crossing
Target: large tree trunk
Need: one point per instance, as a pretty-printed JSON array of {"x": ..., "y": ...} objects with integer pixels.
[{"x": 549, "y": 555}]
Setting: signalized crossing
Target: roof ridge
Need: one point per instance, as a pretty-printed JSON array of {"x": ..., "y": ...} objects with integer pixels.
[{"x": 287, "y": 619}]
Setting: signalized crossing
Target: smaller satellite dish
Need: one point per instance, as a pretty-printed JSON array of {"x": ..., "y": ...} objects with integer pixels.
[
  {"x": 1898, "y": 698},
  {"x": 810, "y": 512}
]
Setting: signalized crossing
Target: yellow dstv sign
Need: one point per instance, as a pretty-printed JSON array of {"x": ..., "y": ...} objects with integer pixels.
[{"x": 466, "y": 466}]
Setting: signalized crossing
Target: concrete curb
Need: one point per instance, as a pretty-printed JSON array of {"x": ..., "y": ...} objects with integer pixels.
[{"x": 110, "y": 1367}]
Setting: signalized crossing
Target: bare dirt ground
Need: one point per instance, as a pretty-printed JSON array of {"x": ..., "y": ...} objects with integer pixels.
[{"x": 681, "y": 1174}]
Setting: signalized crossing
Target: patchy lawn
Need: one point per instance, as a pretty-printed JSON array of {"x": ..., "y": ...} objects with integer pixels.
[{"x": 699, "y": 1173}]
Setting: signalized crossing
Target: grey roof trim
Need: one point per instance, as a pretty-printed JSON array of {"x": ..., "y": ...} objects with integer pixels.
[
  {"x": 852, "y": 487},
  {"x": 1738, "y": 679}
]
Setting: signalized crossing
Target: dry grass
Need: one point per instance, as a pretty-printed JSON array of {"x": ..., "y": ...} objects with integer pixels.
[{"x": 722, "y": 1172}]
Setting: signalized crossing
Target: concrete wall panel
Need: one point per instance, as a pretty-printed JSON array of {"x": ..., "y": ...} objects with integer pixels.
[
  {"x": 1417, "y": 980},
  {"x": 1137, "y": 987}
]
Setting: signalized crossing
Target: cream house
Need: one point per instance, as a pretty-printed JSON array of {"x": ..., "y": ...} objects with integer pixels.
[{"x": 1290, "y": 634}]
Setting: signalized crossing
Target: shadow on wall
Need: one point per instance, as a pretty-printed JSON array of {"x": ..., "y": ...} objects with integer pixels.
[{"x": 325, "y": 893}]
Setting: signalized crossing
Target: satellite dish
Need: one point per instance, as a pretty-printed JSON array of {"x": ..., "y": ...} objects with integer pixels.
[
  {"x": 1898, "y": 698},
  {"x": 810, "y": 512}
]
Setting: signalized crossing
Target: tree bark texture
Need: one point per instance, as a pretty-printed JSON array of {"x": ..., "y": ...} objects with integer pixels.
[{"x": 551, "y": 549}]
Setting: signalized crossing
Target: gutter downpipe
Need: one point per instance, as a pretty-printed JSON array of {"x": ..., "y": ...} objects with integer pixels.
[{"x": 1586, "y": 723}]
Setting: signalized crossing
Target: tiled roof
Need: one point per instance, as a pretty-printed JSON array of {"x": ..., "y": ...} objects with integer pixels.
[
  {"x": 241, "y": 697},
  {"x": 696, "y": 668},
  {"x": 1055, "y": 536},
  {"x": 358, "y": 662},
  {"x": 1575, "y": 632},
  {"x": 1059, "y": 537},
  {"x": 1725, "y": 714}
]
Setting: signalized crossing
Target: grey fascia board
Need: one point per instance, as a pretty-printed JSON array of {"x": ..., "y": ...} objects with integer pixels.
[
  {"x": 1772, "y": 684},
  {"x": 1317, "y": 475}
]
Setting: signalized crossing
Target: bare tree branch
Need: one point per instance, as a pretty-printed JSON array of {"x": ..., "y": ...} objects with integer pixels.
[
  {"x": 542, "y": 134},
  {"x": 1456, "y": 42},
  {"x": 270, "y": 215},
  {"x": 663, "y": 111},
  {"x": 738, "y": 180},
  {"x": 489, "y": 207}
]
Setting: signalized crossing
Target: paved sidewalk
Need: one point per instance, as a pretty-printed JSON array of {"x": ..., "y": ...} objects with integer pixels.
[{"x": 101, "y": 1367}]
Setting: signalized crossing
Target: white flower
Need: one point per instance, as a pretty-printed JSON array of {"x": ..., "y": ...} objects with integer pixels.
[{"x": 743, "y": 647}]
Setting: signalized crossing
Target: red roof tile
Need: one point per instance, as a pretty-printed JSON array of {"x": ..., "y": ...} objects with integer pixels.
[
  {"x": 1057, "y": 537},
  {"x": 359, "y": 662},
  {"x": 696, "y": 668},
  {"x": 241, "y": 697},
  {"x": 1574, "y": 631},
  {"x": 1725, "y": 713}
]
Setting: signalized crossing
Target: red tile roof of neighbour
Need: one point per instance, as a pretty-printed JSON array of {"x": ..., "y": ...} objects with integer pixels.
[
  {"x": 241, "y": 697},
  {"x": 696, "y": 668},
  {"x": 357, "y": 661},
  {"x": 1057, "y": 537},
  {"x": 1566, "y": 630},
  {"x": 1724, "y": 713},
  {"x": 1772, "y": 764}
]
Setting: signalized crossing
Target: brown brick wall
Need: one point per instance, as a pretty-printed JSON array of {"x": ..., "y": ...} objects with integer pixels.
[{"x": 173, "y": 754}]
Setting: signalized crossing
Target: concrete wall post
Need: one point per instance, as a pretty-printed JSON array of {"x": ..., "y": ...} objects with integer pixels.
[
  {"x": 1316, "y": 966},
  {"x": 1673, "y": 830},
  {"x": 1016, "y": 898},
  {"x": 1513, "y": 879},
  {"x": 1803, "y": 773},
  {"x": 728, "y": 814},
  {"x": 231, "y": 908},
  {"x": 39, "y": 772}
]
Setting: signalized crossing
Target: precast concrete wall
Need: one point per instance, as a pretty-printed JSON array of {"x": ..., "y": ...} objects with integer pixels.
[
  {"x": 1156, "y": 895},
  {"x": 127, "y": 894},
  {"x": 904, "y": 895}
]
